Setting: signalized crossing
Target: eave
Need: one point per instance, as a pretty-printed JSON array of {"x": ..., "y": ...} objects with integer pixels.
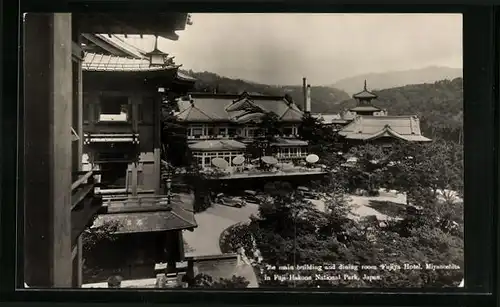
[{"x": 161, "y": 24}]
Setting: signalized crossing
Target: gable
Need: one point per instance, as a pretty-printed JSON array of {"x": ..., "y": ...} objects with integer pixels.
[
  {"x": 372, "y": 127},
  {"x": 243, "y": 105},
  {"x": 225, "y": 107}
]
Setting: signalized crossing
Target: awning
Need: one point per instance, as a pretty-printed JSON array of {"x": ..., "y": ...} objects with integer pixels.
[
  {"x": 145, "y": 221},
  {"x": 288, "y": 143},
  {"x": 217, "y": 145}
]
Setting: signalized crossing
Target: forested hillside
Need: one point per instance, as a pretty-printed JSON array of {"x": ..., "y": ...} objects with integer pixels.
[
  {"x": 439, "y": 106},
  {"x": 321, "y": 96},
  {"x": 392, "y": 79}
]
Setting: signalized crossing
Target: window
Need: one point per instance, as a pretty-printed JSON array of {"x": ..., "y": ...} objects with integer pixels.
[
  {"x": 287, "y": 130},
  {"x": 210, "y": 130},
  {"x": 223, "y": 131},
  {"x": 113, "y": 175},
  {"x": 251, "y": 131},
  {"x": 86, "y": 111},
  {"x": 231, "y": 131},
  {"x": 115, "y": 108},
  {"x": 196, "y": 131},
  {"x": 290, "y": 130}
]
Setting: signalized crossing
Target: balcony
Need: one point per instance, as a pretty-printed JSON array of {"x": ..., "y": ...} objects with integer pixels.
[
  {"x": 84, "y": 202},
  {"x": 93, "y": 138}
]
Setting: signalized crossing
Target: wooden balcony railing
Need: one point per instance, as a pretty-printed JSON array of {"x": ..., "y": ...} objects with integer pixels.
[
  {"x": 82, "y": 187},
  {"x": 85, "y": 204}
]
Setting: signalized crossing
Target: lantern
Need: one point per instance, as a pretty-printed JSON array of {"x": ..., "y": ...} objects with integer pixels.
[{"x": 157, "y": 57}]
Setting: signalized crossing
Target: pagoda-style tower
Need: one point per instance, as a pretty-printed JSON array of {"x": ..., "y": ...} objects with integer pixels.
[{"x": 364, "y": 103}]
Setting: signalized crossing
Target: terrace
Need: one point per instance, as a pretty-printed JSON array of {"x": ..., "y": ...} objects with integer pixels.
[{"x": 254, "y": 171}]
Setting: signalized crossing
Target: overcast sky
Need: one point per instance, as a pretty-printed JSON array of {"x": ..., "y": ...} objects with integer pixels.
[{"x": 282, "y": 48}]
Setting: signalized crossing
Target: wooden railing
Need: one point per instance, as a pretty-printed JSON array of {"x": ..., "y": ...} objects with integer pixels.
[
  {"x": 83, "y": 187},
  {"x": 85, "y": 204}
]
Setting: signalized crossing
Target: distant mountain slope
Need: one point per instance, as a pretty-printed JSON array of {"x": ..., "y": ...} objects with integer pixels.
[
  {"x": 439, "y": 106},
  {"x": 321, "y": 96},
  {"x": 397, "y": 78}
]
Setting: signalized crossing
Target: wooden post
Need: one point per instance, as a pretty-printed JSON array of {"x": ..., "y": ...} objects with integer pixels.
[
  {"x": 47, "y": 149},
  {"x": 79, "y": 261},
  {"x": 80, "y": 111},
  {"x": 157, "y": 143},
  {"x": 134, "y": 178}
]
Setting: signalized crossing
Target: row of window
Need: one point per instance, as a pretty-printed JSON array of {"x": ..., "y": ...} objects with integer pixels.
[
  {"x": 286, "y": 152},
  {"x": 204, "y": 159},
  {"x": 198, "y": 131}
]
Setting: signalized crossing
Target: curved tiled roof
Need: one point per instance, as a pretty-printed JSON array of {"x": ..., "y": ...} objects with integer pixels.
[
  {"x": 372, "y": 127},
  {"x": 251, "y": 116},
  {"x": 101, "y": 62},
  {"x": 365, "y": 109},
  {"x": 181, "y": 216},
  {"x": 365, "y": 94},
  {"x": 229, "y": 107},
  {"x": 217, "y": 145},
  {"x": 281, "y": 142}
]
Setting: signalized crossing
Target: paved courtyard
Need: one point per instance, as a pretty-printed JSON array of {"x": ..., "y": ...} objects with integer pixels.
[{"x": 204, "y": 240}]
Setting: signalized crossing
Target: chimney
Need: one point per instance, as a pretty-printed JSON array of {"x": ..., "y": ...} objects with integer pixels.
[
  {"x": 308, "y": 99},
  {"x": 304, "y": 92}
]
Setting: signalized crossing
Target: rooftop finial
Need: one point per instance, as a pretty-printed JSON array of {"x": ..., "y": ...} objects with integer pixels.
[
  {"x": 365, "y": 85},
  {"x": 156, "y": 43}
]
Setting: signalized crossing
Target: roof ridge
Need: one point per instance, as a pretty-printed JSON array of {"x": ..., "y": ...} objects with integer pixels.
[
  {"x": 124, "y": 49},
  {"x": 142, "y": 52},
  {"x": 389, "y": 129},
  {"x": 291, "y": 109}
]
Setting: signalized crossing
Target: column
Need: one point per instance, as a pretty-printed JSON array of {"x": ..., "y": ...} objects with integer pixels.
[
  {"x": 47, "y": 149},
  {"x": 157, "y": 143},
  {"x": 134, "y": 179},
  {"x": 80, "y": 107},
  {"x": 79, "y": 273}
]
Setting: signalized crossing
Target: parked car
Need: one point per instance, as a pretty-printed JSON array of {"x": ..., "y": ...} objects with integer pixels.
[
  {"x": 229, "y": 201},
  {"x": 307, "y": 193},
  {"x": 251, "y": 196}
]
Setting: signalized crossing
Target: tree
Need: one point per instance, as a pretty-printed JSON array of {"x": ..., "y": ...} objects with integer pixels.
[
  {"x": 369, "y": 171},
  {"x": 269, "y": 126},
  {"x": 206, "y": 281},
  {"x": 290, "y": 231},
  {"x": 94, "y": 241},
  {"x": 426, "y": 170},
  {"x": 174, "y": 138},
  {"x": 323, "y": 140}
]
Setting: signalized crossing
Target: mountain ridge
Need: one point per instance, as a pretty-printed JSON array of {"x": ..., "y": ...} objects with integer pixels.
[
  {"x": 391, "y": 79},
  {"x": 321, "y": 96}
]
